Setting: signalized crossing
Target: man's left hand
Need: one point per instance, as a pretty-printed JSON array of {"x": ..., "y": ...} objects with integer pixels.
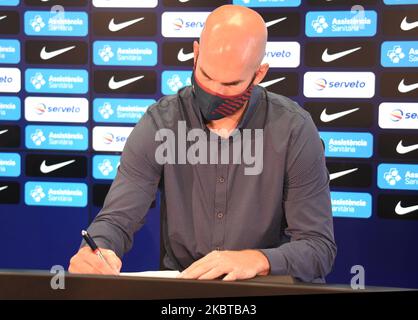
[{"x": 235, "y": 265}]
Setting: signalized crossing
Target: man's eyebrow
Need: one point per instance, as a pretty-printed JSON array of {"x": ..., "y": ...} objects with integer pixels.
[{"x": 232, "y": 83}]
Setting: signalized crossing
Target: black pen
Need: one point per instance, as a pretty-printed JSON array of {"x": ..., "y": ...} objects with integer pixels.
[{"x": 93, "y": 246}]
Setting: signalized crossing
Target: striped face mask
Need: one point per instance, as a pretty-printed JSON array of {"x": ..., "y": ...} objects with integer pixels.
[{"x": 215, "y": 106}]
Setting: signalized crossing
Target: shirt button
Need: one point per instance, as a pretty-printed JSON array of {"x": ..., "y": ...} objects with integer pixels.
[
  {"x": 221, "y": 179},
  {"x": 220, "y": 215}
]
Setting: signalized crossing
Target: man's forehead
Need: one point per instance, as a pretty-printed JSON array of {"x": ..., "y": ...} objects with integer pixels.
[{"x": 227, "y": 62}]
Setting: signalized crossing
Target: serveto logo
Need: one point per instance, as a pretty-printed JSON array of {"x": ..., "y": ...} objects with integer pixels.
[
  {"x": 351, "y": 204},
  {"x": 56, "y": 137},
  {"x": 60, "y": 194},
  {"x": 183, "y": 24},
  {"x": 173, "y": 81},
  {"x": 178, "y": 24},
  {"x": 9, "y": 51},
  {"x": 51, "y": 23},
  {"x": 347, "y": 144},
  {"x": 9, "y": 165},
  {"x": 10, "y": 108},
  {"x": 397, "y": 176},
  {"x": 398, "y": 115},
  {"x": 51, "y": 109},
  {"x": 339, "y": 84},
  {"x": 321, "y": 84},
  {"x": 105, "y": 167},
  {"x": 120, "y": 110},
  {"x": 125, "y": 53},
  {"x": 267, "y": 3},
  {"x": 110, "y": 138},
  {"x": 39, "y": 109},
  {"x": 125, "y": 3},
  {"x": 10, "y": 80},
  {"x": 56, "y": 81},
  {"x": 341, "y": 23},
  {"x": 282, "y": 54},
  {"x": 399, "y": 54}
]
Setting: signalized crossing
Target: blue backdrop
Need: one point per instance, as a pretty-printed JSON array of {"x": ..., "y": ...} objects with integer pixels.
[{"x": 373, "y": 84}]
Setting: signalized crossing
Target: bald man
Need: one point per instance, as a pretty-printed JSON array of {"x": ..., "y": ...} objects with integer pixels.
[{"x": 223, "y": 219}]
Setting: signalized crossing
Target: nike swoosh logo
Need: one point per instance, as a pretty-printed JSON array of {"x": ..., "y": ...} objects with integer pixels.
[
  {"x": 331, "y": 117},
  {"x": 3, "y": 188},
  {"x": 115, "y": 27},
  {"x": 184, "y": 1},
  {"x": 405, "y": 88},
  {"x": 273, "y": 22},
  {"x": 3, "y": 17},
  {"x": 271, "y": 82},
  {"x": 183, "y": 57},
  {"x": 48, "y": 169},
  {"x": 4, "y": 131},
  {"x": 406, "y": 26},
  {"x": 326, "y": 57},
  {"x": 52, "y": 54},
  {"x": 401, "y": 149},
  {"x": 114, "y": 85},
  {"x": 336, "y": 175},
  {"x": 404, "y": 210}
]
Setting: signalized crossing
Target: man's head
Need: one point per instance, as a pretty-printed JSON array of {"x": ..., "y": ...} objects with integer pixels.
[{"x": 231, "y": 48}]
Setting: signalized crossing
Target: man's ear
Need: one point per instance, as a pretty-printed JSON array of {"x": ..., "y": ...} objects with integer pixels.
[
  {"x": 261, "y": 73},
  {"x": 195, "y": 51}
]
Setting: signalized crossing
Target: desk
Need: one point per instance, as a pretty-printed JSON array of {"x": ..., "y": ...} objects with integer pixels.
[{"x": 37, "y": 285}]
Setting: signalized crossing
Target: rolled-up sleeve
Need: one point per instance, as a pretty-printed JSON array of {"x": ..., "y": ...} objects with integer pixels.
[
  {"x": 132, "y": 191},
  {"x": 311, "y": 251}
]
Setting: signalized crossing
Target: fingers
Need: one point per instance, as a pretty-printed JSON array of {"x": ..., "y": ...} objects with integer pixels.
[
  {"x": 230, "y": 277},
  {"x": 81, "y": 268},
  {"x": 187, "y": 271},
  {"x": 78, "y": 264},
  {"x": 195, "y": 271},
  {"x": 212, "y": 274},
  {"x": 97, "y": 264},
  {"x": 113, "y": 260},
  {"x": 208, "y": 267},
  {"x": 85, "y": 261},
  {"x": 235, "y": 265},
  {"x": 209, "y": 257}
]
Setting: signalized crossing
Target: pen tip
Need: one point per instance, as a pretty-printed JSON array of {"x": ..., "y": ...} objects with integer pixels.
[{"x": 83, "y": 232}]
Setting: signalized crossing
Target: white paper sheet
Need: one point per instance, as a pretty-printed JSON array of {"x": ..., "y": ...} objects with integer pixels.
[{"x": 154, "y": 274}]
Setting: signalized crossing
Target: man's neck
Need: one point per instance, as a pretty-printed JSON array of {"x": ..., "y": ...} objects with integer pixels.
[{"x": 225, "y": 126}]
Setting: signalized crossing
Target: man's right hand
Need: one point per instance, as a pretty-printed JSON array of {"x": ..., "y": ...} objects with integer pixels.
[{"x": 87, "y": 262}]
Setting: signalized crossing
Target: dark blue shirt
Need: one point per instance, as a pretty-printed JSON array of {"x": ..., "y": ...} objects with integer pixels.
[{"x": 284, "y": 211}]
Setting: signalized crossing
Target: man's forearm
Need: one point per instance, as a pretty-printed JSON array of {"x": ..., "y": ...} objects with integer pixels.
[{"x": 107, "y": 236}]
